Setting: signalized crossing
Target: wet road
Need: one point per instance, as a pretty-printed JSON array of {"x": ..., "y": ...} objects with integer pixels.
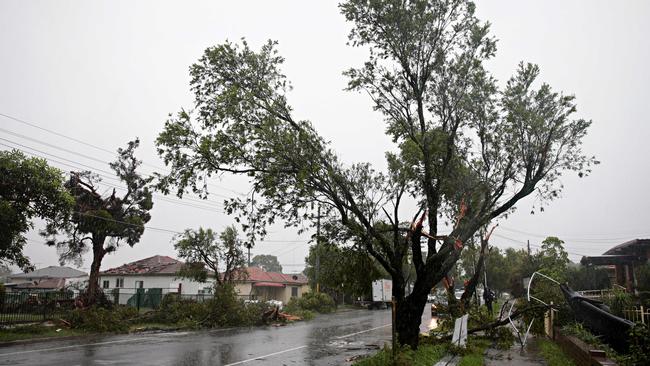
[{"x": 327, "y": 340}]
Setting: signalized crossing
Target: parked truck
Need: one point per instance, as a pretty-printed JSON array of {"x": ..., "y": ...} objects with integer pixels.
[{"x": 382, "y": 292}]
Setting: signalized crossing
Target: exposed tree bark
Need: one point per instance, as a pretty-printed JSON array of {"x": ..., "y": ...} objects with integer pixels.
[
  {"x": 473, "y": 282},
  {"x": 93, "y": 281}
]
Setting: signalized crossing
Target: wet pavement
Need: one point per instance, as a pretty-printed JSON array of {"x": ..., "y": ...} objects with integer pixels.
[
  {"x": 326, "y": 340},
  {"x": 515, "y": 356}
]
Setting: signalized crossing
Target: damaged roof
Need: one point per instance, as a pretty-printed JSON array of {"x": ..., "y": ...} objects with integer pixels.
[
  {"x": 256, "y": 274},
  {"x": 158, "y": 264}
]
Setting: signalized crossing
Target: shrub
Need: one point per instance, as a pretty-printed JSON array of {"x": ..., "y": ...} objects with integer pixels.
[
  {"x": 316, "y": 302},
  {"x": 639, "y": 353},
  {"x": 619, "y": 301},
  {"x": 173, "y": 309},
  {"x": 99, "y": 319}
]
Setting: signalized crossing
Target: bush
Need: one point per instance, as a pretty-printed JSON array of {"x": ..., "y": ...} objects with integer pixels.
[
  {"x": 100, "y": 319},
  {"x": 225, "y": 309},
  {"x": 639, "y": 353},
  {"x": 173, "y": 309},
  {"x": 619, "y": 301},
  {"x": 315, "y": 302}
]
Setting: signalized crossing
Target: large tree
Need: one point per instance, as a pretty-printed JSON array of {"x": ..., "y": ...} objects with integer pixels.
[
  {"x": 101, "y": 223},
  {"x": 466, "y": 150},
  {"x": 267, "y": 262},
  {"x": 204, "y": 252},
  {"x": 29, "y": 189},
  {"x": 345, "y": 269}
]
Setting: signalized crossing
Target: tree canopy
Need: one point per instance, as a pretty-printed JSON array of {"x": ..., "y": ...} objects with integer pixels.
[
  {"x": 203, "y": 252},
  {"x": 29, "y": 189},
  {"x": 101, "y": 223},
  {"x": 267, "y": 262},
  {"x": 466, "y": 149}
]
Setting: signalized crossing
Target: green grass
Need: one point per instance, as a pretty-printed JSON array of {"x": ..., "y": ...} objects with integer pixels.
[
  {"x": 36, "y": 331},
  {"x": 473, "y": 359},
  {"x": 553, "y": 354},
  {"x": 473, "y": 355},
  {"x": 426, "y": 355}
]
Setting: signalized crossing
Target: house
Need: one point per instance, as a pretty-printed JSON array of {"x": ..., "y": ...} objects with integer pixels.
[
  {"x": 50, "y": 278},
  {"x": 154, "y": 272},
  {"x": 621, "y": 261},
  {"x": 160, "y": 272},
  {"x": 261, "y": 285}
]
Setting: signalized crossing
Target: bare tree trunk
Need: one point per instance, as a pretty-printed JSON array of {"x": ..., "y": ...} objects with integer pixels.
[{"x": 93, "y": 281}]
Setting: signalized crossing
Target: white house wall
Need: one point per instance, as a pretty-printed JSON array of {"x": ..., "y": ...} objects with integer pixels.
[{"x": 167, "y": 282}]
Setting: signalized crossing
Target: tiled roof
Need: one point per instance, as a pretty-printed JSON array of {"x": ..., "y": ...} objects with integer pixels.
[
  {"x": 52, "y": 272},
  {"x": 256, "y": 274},
  {"x": 158, "y": 264},
  {"x": 48, "y": 283}
]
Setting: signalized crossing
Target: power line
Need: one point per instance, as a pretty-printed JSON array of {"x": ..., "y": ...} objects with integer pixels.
[
  {"x": 575, "y": 239},
  {"x": 161, "y": 197},
  {"x": 86, "y": 144},
  {"x": 534, "y": 245}
]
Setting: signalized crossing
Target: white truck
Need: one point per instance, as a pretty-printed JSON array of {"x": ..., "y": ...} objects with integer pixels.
[{"x": 382, "y": 292}]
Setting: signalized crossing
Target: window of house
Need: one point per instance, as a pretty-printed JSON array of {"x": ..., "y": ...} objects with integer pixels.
[
  {"x": 105, "y": 284},
  {"x": 294, "y": 292},
  {"x": 139, "y": 284},
  {"x": 119, "y": 282}
]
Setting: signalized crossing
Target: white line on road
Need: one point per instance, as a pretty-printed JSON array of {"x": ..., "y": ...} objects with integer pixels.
[
  {"x": 363, "y": 331},
  {"x": 269, "y": 355},
  {"x": 75, "y": 346}
]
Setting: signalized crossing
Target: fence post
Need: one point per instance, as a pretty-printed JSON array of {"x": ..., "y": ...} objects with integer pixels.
[{"x": 642, "y": 315}]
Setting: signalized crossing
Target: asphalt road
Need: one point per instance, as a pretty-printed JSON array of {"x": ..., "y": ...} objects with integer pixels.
[{"x": 326, "y": 340}]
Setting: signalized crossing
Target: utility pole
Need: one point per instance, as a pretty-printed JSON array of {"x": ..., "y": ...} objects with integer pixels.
[
  {"x": 318, "y": 250},
  {"x": 248, "y": 245}
]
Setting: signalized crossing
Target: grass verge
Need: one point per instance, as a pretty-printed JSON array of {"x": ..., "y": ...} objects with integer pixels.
[
  {"x": 425, "y": 355},
  {"x": 36, "y": 331},
  {"x": 553, "y": 354}
]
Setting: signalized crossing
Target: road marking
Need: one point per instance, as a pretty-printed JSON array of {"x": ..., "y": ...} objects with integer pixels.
[
  {"x": 363, "y": 331},
  {"x": 269, "y": 355},
  {"x": 75, "y": 346}
]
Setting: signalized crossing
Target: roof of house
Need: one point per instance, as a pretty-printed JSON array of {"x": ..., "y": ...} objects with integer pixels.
[
  {"x": 51, "y": 272},
  {"x": 256, "y": 274},
  {"x": 634, "y": 246},
  {"x": 158, "y": 264},
  {"x": 46, "y": 283}
]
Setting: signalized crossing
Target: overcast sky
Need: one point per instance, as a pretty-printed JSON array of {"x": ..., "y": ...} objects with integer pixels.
[{"x": 104, "y": 72}]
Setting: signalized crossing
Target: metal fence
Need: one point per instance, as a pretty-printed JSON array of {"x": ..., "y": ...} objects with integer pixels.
[
  {"x": 23, "y": 307},
  {"x": 638, "y": 315},
  {"x": 34, "y": 306}
]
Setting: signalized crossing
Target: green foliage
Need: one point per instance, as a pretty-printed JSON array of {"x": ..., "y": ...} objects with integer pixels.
[
  {"x": 588, "y": 278},
  {"x": 639, "y": 353},
  {"x": 459, "y": 137},
  {"x": 29, "y": 188},
  {"x": 173, "y": 309},
  {"x": 99, "y": 319},
  {"x": 225, "y": 309},
  {"x": 342, "y": 268},
  {"x": 425, "y": 355},
  {"x": 553, "y": 354},
  {"x": 618, "y": 301},
  {"x": 201, "y": 249},
  {"x": 268, "y": 263},
  {"x": 100, "y": 222},
  {"x": 312, "y": 301}
]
